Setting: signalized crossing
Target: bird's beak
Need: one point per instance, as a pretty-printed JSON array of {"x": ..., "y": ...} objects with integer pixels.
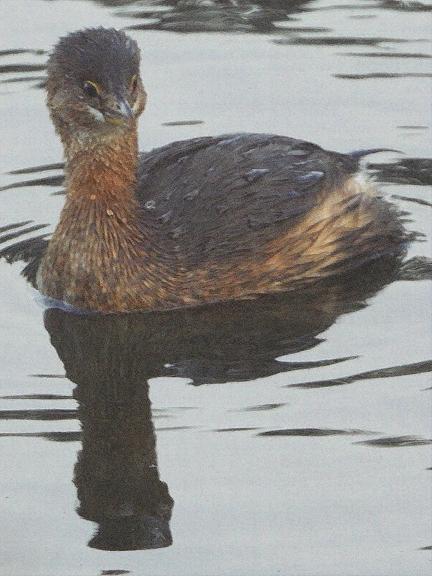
[{"x": 119, "y": 112}]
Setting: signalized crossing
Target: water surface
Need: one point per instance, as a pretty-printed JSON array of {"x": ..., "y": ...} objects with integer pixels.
[{"x": 285, "y": 436}]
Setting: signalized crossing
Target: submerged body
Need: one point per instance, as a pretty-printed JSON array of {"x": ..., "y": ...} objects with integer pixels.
[{"x": 198, "y": 221}]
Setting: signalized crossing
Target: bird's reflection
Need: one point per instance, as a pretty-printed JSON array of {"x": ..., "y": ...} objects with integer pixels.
[
  {"x": 116, "y": 474},
  {"x": 110, "y": 359}
]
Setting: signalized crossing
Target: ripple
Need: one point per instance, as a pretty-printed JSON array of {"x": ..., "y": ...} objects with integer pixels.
[
  {"x": 391, "y": 372},
  {"x": 51, "y": 436},
  {"x": 414, "y": 127},
  {"x": 40, "y": 79},
  {"x": 25, "y": 70},
  {"x": 5, "y": 237},
  {"x": 414, "y": 200},
  {"x": 259, "y": 16},
  {"x": 16, "y": 51},
  {"x": 342, "y": 41},
  {"x": 312, "y": 432},
  {"x": 8, "y": 68},
  {"x": 13, "y": 226},
  {"x": 174, "y": 428},
  {"x": 383, "y": 75},
  {"x": 47, "y": 375},
  {"x": 262, "y": 407},
  {"x": 29, "y": 250},
  {"x": 404, "y": 5},
  {"x": 239, "y": 429},
  {"x": 40, "y": 168},
  {"x": 417, "y": 171},
  {"x": 42, "y": 414},
  {"x": 416, "y": 55},
  {"x": 396, "y": 441},
  {"x": 47, "y": 181},
  {"x": 416, "y": 268},
  {"x": 36, "y": 397}
]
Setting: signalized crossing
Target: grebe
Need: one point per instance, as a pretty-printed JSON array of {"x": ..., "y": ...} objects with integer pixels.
[{"x": 197, "y": 221}]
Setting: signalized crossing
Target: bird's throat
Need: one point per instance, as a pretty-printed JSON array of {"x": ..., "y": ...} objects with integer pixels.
[{"x": 102, "y": 169}]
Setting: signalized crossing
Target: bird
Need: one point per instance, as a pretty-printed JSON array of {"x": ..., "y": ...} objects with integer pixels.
[{"x": 195, "y": 222}]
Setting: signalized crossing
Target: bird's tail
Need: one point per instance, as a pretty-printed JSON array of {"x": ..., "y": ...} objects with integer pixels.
[{"x": 359, "y": 154}]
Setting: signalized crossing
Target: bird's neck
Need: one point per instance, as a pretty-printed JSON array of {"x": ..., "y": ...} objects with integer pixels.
[
  {"x": 101, "y": 242},
  {"x": 102, "y": 170}
]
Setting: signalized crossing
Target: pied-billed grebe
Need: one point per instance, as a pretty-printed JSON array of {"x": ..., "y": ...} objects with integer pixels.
[{"x": 198, "y": 221}]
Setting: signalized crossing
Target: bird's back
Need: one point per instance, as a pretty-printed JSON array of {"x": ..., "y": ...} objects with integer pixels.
[{"x": 279, "y": 208}]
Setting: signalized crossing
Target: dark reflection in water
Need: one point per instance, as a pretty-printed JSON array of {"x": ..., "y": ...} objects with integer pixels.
[
  {"x": 235, "y": 15},
  {"x": 214, "y": 16},
  {"x": 29, "y": 250},
  {"x": 54, "y": 436},
  {"x": 14, "y": 52},
  {"x": 19, "y": 229},
  {"x": 339, "y": 41},
  {"x": 44, "y": 181},
  {"x": 37, "y": 414},
  {"x": 416, "y": 171},
  {"x": 396, "y": 441},
  {"x": 311, "y": 432},
  {"x": 391, "y": 372},
  {"x": 116, "y": 474},
  {"x": 262, "y": 407},
  {"x": 404, "y": 5},
  {"x": 420, "y": 201},
  {"x": 400, "y": 5},
  {"x": 279, "y": 19},
  {"x": 381, "y": 75},
  {"x": 35, "y": 397},
  {"x": 21, "y": 68},
  {"x": 259, "y": 16},
  {"x": 416, "y": 55}
]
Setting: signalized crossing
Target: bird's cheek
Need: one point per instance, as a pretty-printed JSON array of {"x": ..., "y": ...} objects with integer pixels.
[{"x": 96, "y": 114}]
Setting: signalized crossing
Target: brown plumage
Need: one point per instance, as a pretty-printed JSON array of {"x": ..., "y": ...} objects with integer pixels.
[{"x": 198, "y": 221}]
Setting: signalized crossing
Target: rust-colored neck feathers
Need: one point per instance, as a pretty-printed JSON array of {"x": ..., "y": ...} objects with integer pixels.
[
  {"x": 101, "y": 247},
  {"x": 103, "y": 170}
]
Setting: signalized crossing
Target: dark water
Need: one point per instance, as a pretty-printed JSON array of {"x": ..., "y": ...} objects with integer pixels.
[{"x": 289, "y": 435}]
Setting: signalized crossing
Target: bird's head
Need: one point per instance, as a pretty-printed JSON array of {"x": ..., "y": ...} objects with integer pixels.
[{"x": 94, "y": 85}]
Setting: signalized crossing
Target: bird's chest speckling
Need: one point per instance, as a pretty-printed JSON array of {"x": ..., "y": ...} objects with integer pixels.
[{"x": 95, "y": 251}]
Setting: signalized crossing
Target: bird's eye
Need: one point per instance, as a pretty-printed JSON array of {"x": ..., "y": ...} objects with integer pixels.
[
  {"x": 90, "y": 89},
  {"x": 134, "y": 83}
]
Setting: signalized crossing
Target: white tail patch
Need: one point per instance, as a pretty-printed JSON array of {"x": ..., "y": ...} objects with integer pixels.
[{"x": 364, "y": 182}]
